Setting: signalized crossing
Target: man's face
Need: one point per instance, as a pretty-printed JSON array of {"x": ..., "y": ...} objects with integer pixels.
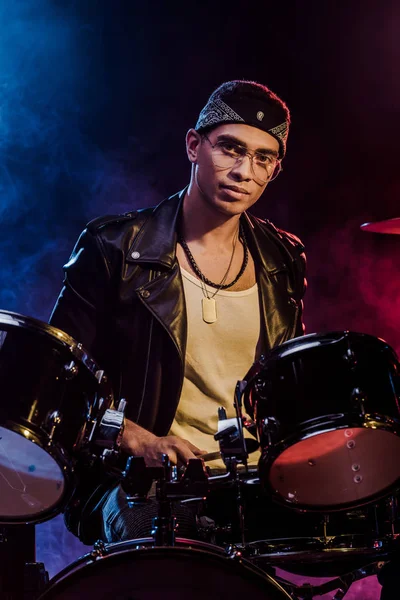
[{"x": 230, "y": 190}]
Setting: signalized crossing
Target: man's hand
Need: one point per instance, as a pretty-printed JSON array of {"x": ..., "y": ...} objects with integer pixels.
[{"x": 138, "y": 441}]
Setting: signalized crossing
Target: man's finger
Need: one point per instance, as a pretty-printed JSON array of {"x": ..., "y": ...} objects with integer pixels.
[{"x": 194, "y": 448}]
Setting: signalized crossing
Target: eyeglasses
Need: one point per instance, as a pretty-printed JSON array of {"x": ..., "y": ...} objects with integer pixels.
[{"x": 227, "y": 154}]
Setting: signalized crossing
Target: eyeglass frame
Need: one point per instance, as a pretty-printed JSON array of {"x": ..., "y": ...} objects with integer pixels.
[{"x": 251, "y": 156}]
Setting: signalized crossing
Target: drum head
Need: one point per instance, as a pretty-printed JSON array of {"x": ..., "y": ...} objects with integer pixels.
[
  {"x": 31, "y": 482},
  {"x": 190, "y": 570},
  {"x": 346, "y": 465}
]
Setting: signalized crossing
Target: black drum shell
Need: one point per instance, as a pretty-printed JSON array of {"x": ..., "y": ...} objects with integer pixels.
[
  {"x": 323, "y": 382},
  {"x": 35, "y": 381},
  {"x": 49, "y": 393}
]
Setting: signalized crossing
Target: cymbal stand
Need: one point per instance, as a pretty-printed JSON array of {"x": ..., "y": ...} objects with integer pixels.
[
  {"x": 164, "y": 524},
  {"x": 233, "y": 452}
]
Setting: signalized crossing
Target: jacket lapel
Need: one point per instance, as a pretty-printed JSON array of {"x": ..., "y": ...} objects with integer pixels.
[
  {"x": 154, "y": 249},
  {"x": 276, "y": 308}
]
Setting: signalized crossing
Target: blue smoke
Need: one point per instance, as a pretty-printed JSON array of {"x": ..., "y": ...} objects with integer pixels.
[
  {"x": 53, "y": 175},
  {"x": 39, "y": 124},
  {"x": 47, "y": 165}
]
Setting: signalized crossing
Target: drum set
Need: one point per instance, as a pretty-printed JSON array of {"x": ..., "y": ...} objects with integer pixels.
[{"x": 324, "y": 409}]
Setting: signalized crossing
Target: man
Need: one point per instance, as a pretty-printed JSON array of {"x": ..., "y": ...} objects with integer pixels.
[{"x": 176, "y": 302}]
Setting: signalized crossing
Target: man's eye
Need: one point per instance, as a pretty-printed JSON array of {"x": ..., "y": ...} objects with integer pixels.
[
  {"x": 265, "y": 159},
  {"x": 230, "y": 148}
]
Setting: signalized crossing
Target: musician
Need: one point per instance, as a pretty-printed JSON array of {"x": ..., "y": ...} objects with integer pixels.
[{"x": 176, "y": 302}]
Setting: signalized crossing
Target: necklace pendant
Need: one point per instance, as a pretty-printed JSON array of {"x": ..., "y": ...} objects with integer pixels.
[{"x": 209, "y": 310}]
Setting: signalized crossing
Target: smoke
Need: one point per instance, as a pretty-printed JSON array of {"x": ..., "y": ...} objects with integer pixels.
[
  {"x": 60, "y": 90},
  {"x": 355, "y": 282},
  {"x": 54, "y": 176}
]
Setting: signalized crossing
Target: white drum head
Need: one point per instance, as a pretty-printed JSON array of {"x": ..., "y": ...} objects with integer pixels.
[{"x": 31, "y": 481}]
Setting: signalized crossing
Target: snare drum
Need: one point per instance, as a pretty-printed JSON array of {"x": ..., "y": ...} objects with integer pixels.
[
  {"x": 328, "y": 419},
  {"x": 50, "y": 392},
  {"x": 137, "y": 569},
  {"x": 335, "y": 544}
]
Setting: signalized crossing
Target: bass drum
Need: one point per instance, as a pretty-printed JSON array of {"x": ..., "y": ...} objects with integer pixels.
[
  {"x": 327, "y": 408},
  {"x": 137, "y": 569}
]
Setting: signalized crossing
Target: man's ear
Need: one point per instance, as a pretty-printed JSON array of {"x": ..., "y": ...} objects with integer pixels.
[{"x": 193, "y": 141}]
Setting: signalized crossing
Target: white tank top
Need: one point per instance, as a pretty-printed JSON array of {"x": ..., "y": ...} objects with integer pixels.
[{"x": 217, "y": 356}]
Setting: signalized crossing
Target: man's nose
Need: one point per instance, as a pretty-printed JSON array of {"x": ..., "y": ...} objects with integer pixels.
[{"x": 243, "y": 169}]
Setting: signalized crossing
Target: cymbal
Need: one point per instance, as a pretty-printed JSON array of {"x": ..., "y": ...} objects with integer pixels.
[{"x": 388, "y": 226}]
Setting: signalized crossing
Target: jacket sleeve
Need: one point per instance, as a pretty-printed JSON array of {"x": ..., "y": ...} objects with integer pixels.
[{"x": 82, "y": 303}]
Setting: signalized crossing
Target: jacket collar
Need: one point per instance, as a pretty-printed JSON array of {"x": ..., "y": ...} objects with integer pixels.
[
  {"x": 259, "y": 237},
  {"x": 155, "y": 242}
]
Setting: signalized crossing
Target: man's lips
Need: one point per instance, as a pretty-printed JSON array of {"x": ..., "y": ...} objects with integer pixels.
[{"x": 235, "y": 188}]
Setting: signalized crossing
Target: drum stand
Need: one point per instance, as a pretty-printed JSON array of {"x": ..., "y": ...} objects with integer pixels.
[
  {"x": 137, "y": 480},
  {"x": 341, "y": 584},
  {"x": 21, "y": 577}
]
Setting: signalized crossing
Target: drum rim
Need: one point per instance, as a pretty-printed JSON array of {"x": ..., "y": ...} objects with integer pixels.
[
  {"x": 336, "y": 336},
  {"x": 384, "y": 540},
  {"x": 146, "y": 545},
  {"x": 280, "y": 351},
  {"x": 16, "y": 320}
]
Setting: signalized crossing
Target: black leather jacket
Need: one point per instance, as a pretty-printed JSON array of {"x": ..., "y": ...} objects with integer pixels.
[{"x": 123, "y": 300}]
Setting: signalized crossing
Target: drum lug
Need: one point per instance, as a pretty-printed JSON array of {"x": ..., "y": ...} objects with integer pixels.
[
  {"x": 260, "y": 387},
  {"x": 358, "y": 397},
  {"x": 350, "y": 358},
  {"x": 100, "y": 376},
  {"x": 53, "y": 420},
  {"x": 270, "y": 427},
  {"x": 71, "y": 370},
  {"x": 234, "y": 552},
  {"x": 99, "y": 550}
]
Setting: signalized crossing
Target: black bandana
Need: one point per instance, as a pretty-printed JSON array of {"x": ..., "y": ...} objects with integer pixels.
[{"x": 241, "y": 107}]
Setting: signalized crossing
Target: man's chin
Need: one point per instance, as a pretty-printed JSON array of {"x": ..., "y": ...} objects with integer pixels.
[{"x": 231, "y": 208}]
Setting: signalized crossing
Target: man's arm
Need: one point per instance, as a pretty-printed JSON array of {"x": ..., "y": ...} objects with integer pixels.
[
  {"x": 140, "y": 442},
  {"x": 82, "y": 310},
  {"x": 83, "y": 300}
]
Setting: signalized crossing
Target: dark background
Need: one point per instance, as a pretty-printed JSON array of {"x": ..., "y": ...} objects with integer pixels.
[{"x": 97, "y": 95}]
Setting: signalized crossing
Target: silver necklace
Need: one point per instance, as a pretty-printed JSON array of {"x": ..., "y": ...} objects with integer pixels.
[{"x": 208, "y": 302}]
